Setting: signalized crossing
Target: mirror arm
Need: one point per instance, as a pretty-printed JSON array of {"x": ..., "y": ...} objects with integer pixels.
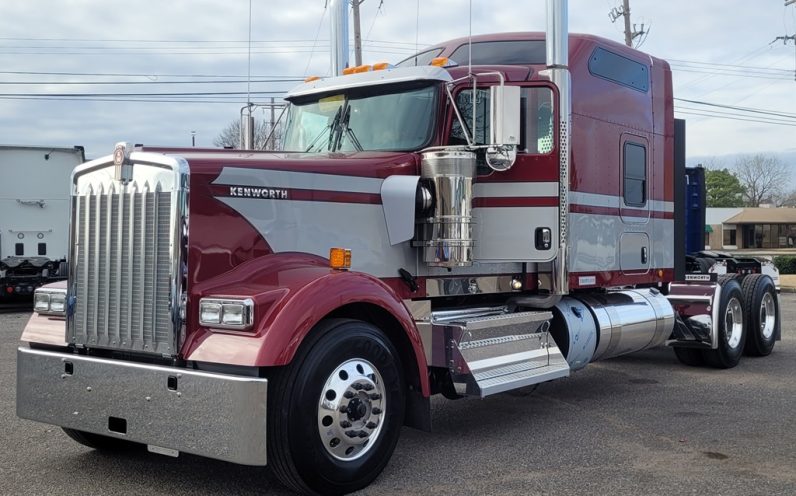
[{"x": 470, "y": 141}]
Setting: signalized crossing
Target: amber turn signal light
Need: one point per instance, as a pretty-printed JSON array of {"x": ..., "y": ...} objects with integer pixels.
[{"x": 340, "y": 258}]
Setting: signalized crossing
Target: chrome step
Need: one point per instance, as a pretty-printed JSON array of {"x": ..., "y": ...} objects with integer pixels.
[
  {"x": 491, "y": 353},
  {"x": 515, "y": 375}
]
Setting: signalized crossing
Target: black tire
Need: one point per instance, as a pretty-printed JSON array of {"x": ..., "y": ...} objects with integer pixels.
[
  {"x": 704, "y": 264},
  {"x": 729, "y": 277},
  {"x": 301, "y": 444},
  {"x": 100, "y": 442},
  {"x": 732, "y": 328},
  {"x": 689, "y": 356},
  {"x": 762, "y": 314}
]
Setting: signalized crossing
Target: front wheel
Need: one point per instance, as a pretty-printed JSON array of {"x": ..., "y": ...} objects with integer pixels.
[
  {"x": 732, "y": 327},
  {"x": 336, "y": 411}
]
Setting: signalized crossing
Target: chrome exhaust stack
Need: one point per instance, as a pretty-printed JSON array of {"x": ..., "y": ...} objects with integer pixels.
[
  {"x": 557, "y": 43},
  {"x": 338, "y": 24}
]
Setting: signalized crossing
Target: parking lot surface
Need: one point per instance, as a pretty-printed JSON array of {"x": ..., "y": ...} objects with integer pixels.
[{"x": 640, "y": 424}]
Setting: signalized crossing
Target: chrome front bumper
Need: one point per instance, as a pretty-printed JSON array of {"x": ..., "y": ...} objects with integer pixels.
[{"x": 207, "y": 414}]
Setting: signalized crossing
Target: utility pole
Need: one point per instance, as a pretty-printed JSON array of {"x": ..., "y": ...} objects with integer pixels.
[
  {"x": 786, "y": 39},
  {"x": 628, "y": 33},
  {"x": 630, "y": 30},
  {"x": 357, "y": 32}
]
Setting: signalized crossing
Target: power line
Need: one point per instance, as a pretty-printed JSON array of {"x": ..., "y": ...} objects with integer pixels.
[
  {"x": 719, "y": 113},
  {"x": 242, "y": 41},
  {"x": 315, "y": 41},
  {"x": 113, "y": 83},
  {"x": 742, "y": 109},
  {"x": 198, "y": 93},
  {"x": 745, "y": 67},
  {"x": 705, "y": 114},
  {"x": 275, "y": 51},
  {"x": 138, "y": 74},
  {"x": 737, "y": 74}
]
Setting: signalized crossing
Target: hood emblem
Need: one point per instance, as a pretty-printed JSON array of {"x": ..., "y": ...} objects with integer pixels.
[{"x": 123, "y": 166}]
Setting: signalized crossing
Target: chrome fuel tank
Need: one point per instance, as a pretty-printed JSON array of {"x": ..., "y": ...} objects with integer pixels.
[{"x": 629, "y": 320}]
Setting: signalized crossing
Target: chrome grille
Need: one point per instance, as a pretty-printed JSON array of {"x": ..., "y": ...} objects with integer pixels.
[{"x": 124, "y": 279}]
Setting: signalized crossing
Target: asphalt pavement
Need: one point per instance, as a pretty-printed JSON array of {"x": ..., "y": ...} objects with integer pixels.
[{"x": 640, "y": 424}]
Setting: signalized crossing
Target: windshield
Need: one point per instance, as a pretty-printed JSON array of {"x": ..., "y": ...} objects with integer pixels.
[{"x": 398, "y": 120}]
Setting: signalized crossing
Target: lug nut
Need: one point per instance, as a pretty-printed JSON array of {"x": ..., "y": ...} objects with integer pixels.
[
  {"x": 351, "y": 433},
  {"x": 368, "y": 387},
  {"x": 348, "y": 394},
  {"x": 345, "y": 424},
  {"x": 343, "y": 408},
  {"x": 376, "y": 411},
  {"x": 375, "y": 396},
  {"x": 371, "y": 425},
  {"x": 357, "y": 386},
  {"x": 363, "y": 434}
]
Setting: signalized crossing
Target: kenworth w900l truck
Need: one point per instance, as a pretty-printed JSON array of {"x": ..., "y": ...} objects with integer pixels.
[{"x": 428, "y": 229}]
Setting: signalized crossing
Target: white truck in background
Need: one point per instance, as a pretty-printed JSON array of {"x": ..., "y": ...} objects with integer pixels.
[{"x": 34, "y": 215}]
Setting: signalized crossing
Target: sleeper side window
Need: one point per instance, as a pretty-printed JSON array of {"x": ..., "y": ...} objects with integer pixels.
[{"x": 635, "y": 175}]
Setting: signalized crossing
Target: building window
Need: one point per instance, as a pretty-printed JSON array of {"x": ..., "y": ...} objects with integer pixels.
[
  {"x": 635, "y": 171},
  {"x": 729, "y": 237}
]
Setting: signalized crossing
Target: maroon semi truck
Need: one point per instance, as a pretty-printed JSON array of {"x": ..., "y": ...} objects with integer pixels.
[{"x": 432, "y": 228}]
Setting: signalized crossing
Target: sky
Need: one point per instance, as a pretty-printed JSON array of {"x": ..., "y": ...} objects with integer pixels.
[{"x": 96, "y": 72}]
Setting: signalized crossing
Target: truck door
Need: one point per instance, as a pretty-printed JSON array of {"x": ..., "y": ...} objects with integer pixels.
[
  {"x": 515, "y": 212},
  {"x": 635, "y": 248}
]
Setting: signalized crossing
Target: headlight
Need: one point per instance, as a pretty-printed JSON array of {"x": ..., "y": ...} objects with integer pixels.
[
  {"x": 226, "y": 313},
  {"x": 49, "y": 301}
]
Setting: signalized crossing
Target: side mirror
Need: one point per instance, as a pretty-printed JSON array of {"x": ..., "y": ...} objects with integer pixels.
[{"x": 504, "y": 126}]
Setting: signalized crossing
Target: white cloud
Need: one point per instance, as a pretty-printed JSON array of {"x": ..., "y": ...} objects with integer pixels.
[{"x": 715, "y": 31}]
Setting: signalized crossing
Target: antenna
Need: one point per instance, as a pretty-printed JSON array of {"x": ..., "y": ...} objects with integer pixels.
[
  {"x": 470, "y": 44},
  {"x": 249, "y": 73},
  {"x": 417, "y": 28}
]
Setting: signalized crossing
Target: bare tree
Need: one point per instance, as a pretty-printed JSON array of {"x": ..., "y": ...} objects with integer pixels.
[
  {"x": 764, "y": 178},
  {"x": 229, "y": 137}
]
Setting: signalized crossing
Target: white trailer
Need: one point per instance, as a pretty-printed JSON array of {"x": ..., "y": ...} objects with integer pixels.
[{"x": 34, "y": 215}]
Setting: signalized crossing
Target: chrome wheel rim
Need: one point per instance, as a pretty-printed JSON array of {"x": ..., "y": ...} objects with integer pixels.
[
  {"x": 768, "y": 316},
  {"x": 733, "y": 323},
  {"x": 351, "y": 409}
]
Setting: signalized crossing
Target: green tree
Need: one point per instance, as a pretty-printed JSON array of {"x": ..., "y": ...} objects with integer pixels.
[{"x": 724, "y": 189}]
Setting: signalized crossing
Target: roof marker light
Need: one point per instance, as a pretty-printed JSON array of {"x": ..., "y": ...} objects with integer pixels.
[
  {"x": 381, "y": 66},
  {"x": 310, "y": 79},
  {"x": 439, "y": 61}
]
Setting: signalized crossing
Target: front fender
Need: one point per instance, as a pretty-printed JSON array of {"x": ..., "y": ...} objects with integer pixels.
[{"x": 292, "y": 293}]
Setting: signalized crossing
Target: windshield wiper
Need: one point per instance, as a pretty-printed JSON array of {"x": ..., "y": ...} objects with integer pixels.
[
  {"x": 331, "y": 128},
  {"x": 348, "y": 131}
]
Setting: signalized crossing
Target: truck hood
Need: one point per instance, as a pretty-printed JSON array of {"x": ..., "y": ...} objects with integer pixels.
[{"x": 244, "y": 205}]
